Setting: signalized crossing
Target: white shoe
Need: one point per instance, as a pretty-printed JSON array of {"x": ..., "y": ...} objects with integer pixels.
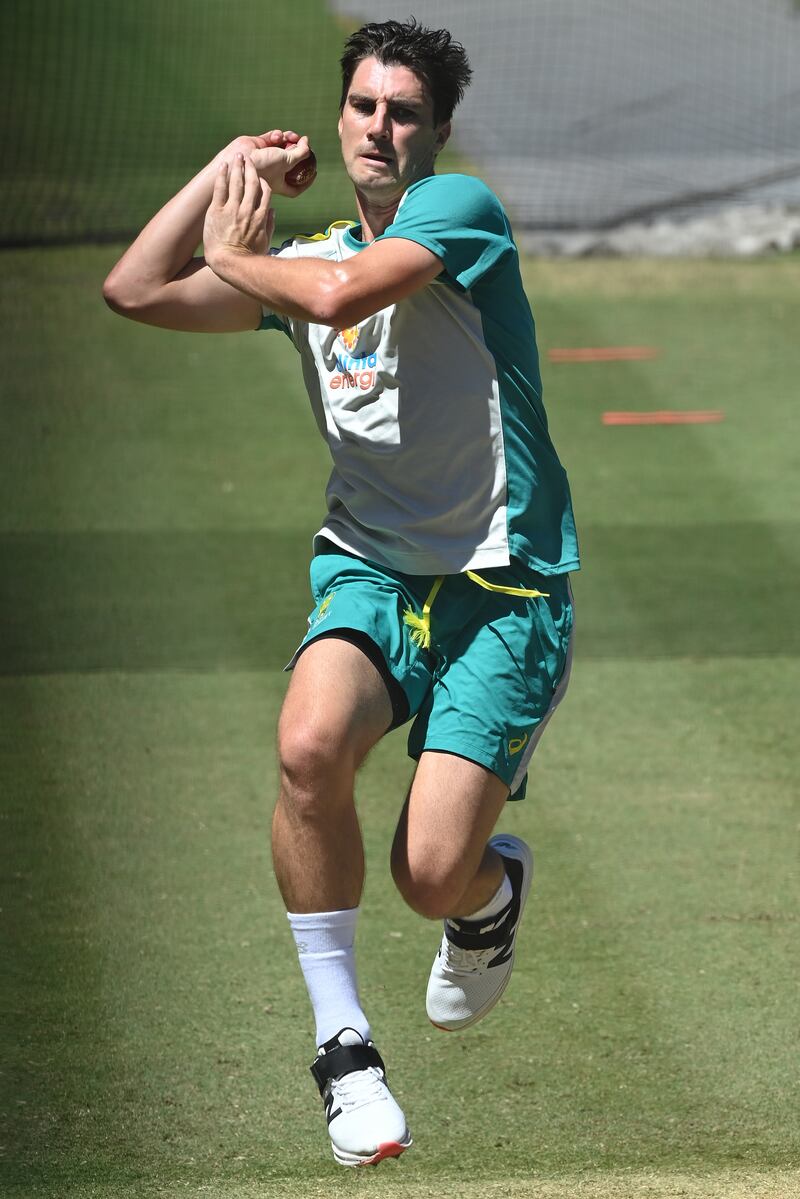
[
  {"x": 364, "y": 1121},
  {"x": 476, "y": 957}
]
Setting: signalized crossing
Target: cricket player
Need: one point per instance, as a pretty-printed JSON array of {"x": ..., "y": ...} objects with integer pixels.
[{"x": 440, "y": 569}]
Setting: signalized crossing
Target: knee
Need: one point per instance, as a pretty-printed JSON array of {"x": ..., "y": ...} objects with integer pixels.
[
  {"x": 314, "y": 767},
  {"x": 430, "y": 886}
]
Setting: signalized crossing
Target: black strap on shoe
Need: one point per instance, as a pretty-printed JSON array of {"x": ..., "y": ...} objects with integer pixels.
[
  {"x": 470, "y": 934},
  {"x": 467, "y": 934},
  {"x": 344, "y": 1059}
]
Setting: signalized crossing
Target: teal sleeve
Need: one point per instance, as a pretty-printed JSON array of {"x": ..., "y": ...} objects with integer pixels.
[
  {"x": 271, "y": 320},
  {"x": 460, "y": 220}
]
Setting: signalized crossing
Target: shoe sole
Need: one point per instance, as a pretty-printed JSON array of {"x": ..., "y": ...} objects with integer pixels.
[
  {"x": 384, "y": 1150},
  {"x": 522, "y": 854}
]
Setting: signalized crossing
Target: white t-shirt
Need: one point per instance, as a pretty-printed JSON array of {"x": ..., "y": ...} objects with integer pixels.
[{"x": 431, "y": 408}]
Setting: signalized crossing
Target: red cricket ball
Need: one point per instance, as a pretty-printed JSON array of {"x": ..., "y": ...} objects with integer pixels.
[{"x": 302, "y": 172}]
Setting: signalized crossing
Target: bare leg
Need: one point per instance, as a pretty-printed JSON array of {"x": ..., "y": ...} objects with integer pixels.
[
  {"x": 336, "y": 709},
  {"x": 440, "y": 860}
]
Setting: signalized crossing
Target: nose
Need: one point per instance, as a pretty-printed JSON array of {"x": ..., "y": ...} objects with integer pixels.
[{"x": 379, "y": 125}]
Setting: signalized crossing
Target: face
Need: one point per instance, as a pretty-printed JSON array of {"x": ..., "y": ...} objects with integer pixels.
[{"x": 388, "y": 137}]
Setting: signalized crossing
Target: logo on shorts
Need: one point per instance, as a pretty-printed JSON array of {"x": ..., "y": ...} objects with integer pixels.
[
  {"x": 322, "y": 610},
  {"x": 517, "y": 743}
]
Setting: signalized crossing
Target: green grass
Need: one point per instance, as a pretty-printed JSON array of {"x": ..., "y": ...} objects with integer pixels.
[{"x": 158, "y": 494}]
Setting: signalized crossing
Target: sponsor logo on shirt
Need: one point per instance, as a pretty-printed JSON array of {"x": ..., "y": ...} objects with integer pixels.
[
  {"x": 354, "y": 372},
  {"x": 349, "y": 338}
]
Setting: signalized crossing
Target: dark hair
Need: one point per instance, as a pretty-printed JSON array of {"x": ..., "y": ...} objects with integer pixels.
[{"x": 432, "y": 54}]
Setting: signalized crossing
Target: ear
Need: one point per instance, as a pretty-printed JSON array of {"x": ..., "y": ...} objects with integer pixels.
[
  {"x": 442, "y": 135},
  {"x": 339, "y": 127}
]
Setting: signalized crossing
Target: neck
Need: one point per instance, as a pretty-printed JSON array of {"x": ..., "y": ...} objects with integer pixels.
[{"x": 376, "y": 215}]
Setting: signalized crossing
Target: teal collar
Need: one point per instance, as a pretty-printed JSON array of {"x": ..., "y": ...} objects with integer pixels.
[{"x": 352, "y": 238}]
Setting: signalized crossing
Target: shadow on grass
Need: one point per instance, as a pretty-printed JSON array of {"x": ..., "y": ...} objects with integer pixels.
[{"x": 237, "y": 600}]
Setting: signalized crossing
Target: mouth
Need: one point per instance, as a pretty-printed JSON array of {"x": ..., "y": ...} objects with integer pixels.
[{"x": 374, "y": 156}]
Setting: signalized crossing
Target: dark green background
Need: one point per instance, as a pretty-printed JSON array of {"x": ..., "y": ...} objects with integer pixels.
[{"x": 110, "y": 107}]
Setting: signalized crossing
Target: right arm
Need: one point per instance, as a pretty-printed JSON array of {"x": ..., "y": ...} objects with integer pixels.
[{"x": 158, "y": 281}]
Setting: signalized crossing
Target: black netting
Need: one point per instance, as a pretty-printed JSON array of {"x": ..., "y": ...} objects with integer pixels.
[
  {"x": 110, "y": 107},
  {"x": 586, "y": 113},
  {"x": 581, "y": 114}
]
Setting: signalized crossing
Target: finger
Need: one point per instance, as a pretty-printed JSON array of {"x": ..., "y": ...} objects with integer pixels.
[
  {"x": 298, "y": 151},
  {"x": 236, "y": 180},
  {"x": 290, "y": 136},
  {"x": 264, "y": 201},
  {"x": 221, "y": 185},
  {"x": 252, "y": 190},
  {"x": 270, "y": 225}
]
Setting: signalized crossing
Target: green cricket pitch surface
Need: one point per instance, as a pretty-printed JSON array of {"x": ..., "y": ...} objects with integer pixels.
[{"x": 159, "y": 493}]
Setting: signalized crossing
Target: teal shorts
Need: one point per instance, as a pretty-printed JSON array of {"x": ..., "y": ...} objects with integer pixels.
[{"x": 495, "y": 667}]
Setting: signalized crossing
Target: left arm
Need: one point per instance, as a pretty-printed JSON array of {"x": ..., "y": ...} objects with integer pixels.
[{"x": 339, "y": 294}]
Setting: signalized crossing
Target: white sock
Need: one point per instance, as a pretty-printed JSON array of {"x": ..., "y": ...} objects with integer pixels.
[
  {"x": 324, "y": 943},
  {"x": 503, "y": 895}
]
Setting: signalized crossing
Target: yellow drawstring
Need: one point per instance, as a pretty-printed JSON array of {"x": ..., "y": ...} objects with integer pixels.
[
  {"x": 530, "y": 592},
  {"x": 421, "y": 625}
]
